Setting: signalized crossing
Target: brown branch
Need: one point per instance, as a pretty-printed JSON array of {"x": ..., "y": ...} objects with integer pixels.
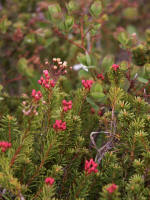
[
  {"x": 19, "y": 148},
  {"x": 81, "y": 31},
  {"x": 18, "y": 78},
  {"x": 37, "y": 194},
  {"x": 15, "y": 155},
  {"x": 66, "y": 38},
  {"x": 105, "y": 148}
]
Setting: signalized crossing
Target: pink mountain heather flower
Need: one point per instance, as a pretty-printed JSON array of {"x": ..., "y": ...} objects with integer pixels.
[
  {"x": 4, "y": 145},
  {"x": 90, "y": 166},
  {"x": 65, "y": 108},
  {"x": 40, "y": 82},
  {"x": 46, "y": 82},
  {"x": 46, "y": 73},
  {"x": 115, "y": 67},
  {"x": 92, "y": 110},
  {"x": 47, "y": 86},
  {"x": 100, "y": 76},
  {"x": 52, "y": 83},
  {"x": 59, "y": 125},
  {"x": 49, "y": 181},
  {"x": 33, "y": 92},
  {"x": 87, "y": 83},
  {"x": 112, "y": 188},
  {"x": 66, "y": 105},
  {"x": 36, "y": 95}
]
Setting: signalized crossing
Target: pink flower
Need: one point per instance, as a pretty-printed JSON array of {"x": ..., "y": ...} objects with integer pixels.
[
  {"x": 59, "y": 125},
  {"x": 90, "y": 166},
  {"x": 49, "y": 181},
  {"x": 52, "y": 83},
  {"x": 36, "y": 95},
  {"x": 45, "y": 72},
  {"x": 65, "y": 108},
  {"x": 33, "y": 92},
  {"x": 46, "y": 82},
  {"x": 42, "y": 78},
  {"x": 112, "y": 188},
  {"x": 66, "y": 105},
  {"x": 4, "y": 145},
  {"x": 115, "y": 67},
  {"x": 87, "y": 84},
  {"x": 92, "y": 110},
  {"x": 100, "y": 76},
  {"x": 47, "y": 86},
  {"x": 100, "y": 113},
  {"x": 40, "y": 82}
]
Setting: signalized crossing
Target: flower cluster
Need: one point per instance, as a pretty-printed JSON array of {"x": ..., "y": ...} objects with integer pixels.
[
  {"x": 92, "y": 110},
  {"x": 46, "y": 82},
  {"x": 90, "y": 166},
  {"x": 4, "y": 145},
  {"x": 66, "y": 105},
  {"x": 49, "y": 181},
  {"x": 87, "y": 83},
  {"x": 36, "y": 95},
  {"x": 115, "y": 67},
  {"x": 100, "y": 76},
  {"x": 59, "y": 125},
  {"x": 112, "y": 188},
  {"x": 18, "y": 35}
]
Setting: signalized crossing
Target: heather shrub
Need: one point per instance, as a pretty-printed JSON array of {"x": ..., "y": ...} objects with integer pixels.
[{"x": 85, "y": 144}]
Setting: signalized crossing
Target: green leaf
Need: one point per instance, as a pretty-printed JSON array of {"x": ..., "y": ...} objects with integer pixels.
[
  {"x": 54, "y": 9},
  {"x": 30, "y": 39},
  {"x": 131, "y": 29},
  {"x": 23, "y": 67},
  {"x": 54, "y": 13},
  {"x": 88, "y": 59},
  {"x": 69, "y": 21},
  {"x": 131, "y": 13},
  {"x": 72, "y": 6},
  {"x": 95, "y": 28},
  {"x": 85, "y": 60},
  {"x": 107, "y": 62},
  {"x": 97, "y": 95},
  {"x": 83, "y": 74},
  {"x": 92, "y": 103},
  {"x": 97, "y": 92},
  {"x": 50, "y": 41},
  {"x": 82, "y": 59},
  {"x": 96, "y": 8},
  {"x": 4, "y": 24},
  {"x": 142, "y": 80},
  {"x": 97, "y": 87},
  {"x": 123, "y": 38},
  {"x": 1, "y": 87},
  {"x": 100, "y": 139}
]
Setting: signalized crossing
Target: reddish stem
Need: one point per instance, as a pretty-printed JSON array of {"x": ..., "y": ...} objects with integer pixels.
[
  {"x": 69, "y": 40},
  {"x": 37, "y": 194},
  {"x": 15, "y": 155},
  {"x": 81, "y": 31},
  {"x": 41, "y": 165},
  {"x": 19, "y": 148},
  {"x": 12, "y": 80}
]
